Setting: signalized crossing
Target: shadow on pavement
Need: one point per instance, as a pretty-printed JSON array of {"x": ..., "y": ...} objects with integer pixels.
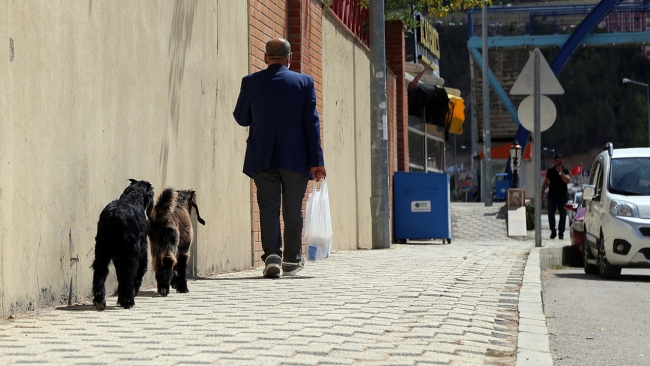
[
  {"x": 151, "y": 293},
  {"x": 252, "y": 278},
  {"x": 621, "y": 278},
  {"x": 89, "y": 307},
  {"x": 416, "y": 243}
]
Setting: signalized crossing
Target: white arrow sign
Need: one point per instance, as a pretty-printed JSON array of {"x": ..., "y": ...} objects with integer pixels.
[{"x": 525, "y": 84}]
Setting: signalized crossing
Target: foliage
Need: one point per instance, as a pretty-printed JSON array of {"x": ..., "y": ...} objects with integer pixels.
[
  {"x": 402, "y": 9},
  {"x": 596, "y": 106}
]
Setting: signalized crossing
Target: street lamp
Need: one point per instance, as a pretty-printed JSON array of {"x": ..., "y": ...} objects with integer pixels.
[
  {"x": 546, "y": 161},
  {"x": 647, "y": 95},
  {"x": 515, "y": 161}
]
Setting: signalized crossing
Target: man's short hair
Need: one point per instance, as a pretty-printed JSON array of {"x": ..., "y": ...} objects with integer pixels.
[
  {"x": 278, "y": 50},
  {"x": 558, "y": 156}
]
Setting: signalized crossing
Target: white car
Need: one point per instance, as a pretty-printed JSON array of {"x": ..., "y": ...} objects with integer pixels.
[{"x": 617, "y": 216}]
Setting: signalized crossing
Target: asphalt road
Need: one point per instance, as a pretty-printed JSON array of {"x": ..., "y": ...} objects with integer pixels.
[{"x": 598, "y": 322}]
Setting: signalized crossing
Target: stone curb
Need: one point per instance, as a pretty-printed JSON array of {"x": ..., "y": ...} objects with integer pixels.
[{"x": 532, "y": 341}]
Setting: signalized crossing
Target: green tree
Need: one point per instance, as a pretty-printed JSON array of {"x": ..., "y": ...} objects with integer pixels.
[
  {"x": 597, "y": 107},
  {"x": 402, "y": 9}
]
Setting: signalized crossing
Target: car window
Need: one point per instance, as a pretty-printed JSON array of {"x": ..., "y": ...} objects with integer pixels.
[
  {"x": 597, "y": 178},
  {"x": 593, "y": 174},
  {"x": 630, "y": 176},
  {"x": 599, "y": 182},
  {"x": 577, "y": 198}
]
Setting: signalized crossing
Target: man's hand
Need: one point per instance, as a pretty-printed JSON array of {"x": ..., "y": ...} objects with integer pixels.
[
  {"x": 565, "y": 177},
  {"x": 318, "y": 172}
]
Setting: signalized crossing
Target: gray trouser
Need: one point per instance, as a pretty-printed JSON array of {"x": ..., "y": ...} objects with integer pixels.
[{"x": 286, "y": 187}]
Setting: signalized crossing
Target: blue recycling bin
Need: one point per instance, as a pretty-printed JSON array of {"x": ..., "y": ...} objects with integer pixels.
[
  {"x": 421, "y": 206},
  {"x": 502, "y": 185}
]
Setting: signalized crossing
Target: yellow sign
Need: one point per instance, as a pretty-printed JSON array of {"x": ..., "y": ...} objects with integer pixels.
[{"x": 428, "y": 36}]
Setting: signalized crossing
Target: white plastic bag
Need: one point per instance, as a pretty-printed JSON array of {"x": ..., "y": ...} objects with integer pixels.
[{"x": 318, "y": 224}]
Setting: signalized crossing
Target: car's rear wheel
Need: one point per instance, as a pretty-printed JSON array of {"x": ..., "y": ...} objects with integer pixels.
[
  {"x": 605, "y": 269},
  {"x": 586, "y": 255}
]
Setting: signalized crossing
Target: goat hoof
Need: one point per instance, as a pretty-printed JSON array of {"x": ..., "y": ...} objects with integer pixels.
[
  {"x": 163, "y": 292},
  {"x": 127, "y": 304},
  {"x": 100, "y": 305}
]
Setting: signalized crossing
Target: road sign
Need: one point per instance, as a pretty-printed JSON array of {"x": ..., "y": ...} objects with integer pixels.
[
  {"x": 525, "y": 84},
  {"x": 526, "y": 113}
]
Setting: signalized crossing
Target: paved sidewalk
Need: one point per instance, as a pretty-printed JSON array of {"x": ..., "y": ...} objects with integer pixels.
[{"x": 421, "y": 304}]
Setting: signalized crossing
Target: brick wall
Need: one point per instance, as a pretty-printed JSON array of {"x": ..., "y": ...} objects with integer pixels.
[
  {"x": 300, "y": 22},
  {"x": 395, "y": 60},
  {"x": 305, "y": 35},
  {"x": 267, "y": 19}
]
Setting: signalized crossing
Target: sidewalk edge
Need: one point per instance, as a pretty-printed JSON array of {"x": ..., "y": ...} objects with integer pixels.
[{"x": 532, "y": 341}]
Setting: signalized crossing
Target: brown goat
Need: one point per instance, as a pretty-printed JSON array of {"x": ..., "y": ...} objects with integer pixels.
[{"x": 170, "y": 236}]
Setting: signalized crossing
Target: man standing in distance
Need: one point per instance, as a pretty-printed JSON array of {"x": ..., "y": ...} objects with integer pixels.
[
  {"x": 283, "y": 152},
  {"x": 556, "y": 180}
]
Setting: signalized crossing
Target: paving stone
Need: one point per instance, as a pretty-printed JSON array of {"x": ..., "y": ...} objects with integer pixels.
[{"x": 457, "y": 302}]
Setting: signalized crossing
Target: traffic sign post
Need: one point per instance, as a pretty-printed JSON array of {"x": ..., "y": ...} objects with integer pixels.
[{"x": 537, "y": 79}]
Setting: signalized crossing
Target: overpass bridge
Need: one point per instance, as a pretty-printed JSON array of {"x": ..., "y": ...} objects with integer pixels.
[{"x": 513, "y": 32}]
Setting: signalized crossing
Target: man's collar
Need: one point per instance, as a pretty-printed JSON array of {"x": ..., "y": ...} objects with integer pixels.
[{"x": 276, "y": 66}]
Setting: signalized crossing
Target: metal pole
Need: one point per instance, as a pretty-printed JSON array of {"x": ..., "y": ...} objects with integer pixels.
[
  {"x": 455, "y": 171},
  {"x": 647, "y": 97},
  {"x": 379, "y": 201},
  {"x": 415, "y": 38},
  {"x": 487, "y": 161},
  {"x": 538, "y": 153},
  {"x": 473, "y": 125}
]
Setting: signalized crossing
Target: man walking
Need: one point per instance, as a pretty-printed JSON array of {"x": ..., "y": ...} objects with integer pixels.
[
  {"x": 283, "y": 152},
  {"x": 556, "y": 180}
]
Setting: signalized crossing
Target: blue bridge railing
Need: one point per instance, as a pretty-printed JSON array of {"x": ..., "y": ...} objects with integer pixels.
[{"x": 557, "y": 19}]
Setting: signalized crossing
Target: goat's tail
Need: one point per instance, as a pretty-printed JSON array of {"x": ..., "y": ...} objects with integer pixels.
[{"x": 165, "y": 205}]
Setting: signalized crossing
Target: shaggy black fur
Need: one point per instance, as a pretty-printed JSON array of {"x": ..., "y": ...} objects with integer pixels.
[
  {"x": 122, "y": 238},
  {"x": 170, "y": 237}
]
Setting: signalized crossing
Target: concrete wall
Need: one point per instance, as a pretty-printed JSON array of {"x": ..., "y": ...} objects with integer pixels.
[
  {"x": 346, "y": 135},
  {"x": 96, "y": 92}
]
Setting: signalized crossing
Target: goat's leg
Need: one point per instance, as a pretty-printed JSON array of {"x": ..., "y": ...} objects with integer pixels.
[
  {"x": 126, "y": 270},
  {"x": 142, "y": 269},
  {"x": 174, "y": 278},
  {"x": 181, "y": 268},
  {"x": 100, "y": 268},
  {"x": 164, "y": 275}
]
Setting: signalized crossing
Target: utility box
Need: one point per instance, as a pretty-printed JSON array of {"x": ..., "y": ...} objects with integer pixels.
[
  {"x": 502, "y": 185},
  {"x": 421, "y": 206}
]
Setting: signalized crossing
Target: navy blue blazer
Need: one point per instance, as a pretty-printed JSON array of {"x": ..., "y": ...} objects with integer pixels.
[{"x": 279, "y": 105}]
